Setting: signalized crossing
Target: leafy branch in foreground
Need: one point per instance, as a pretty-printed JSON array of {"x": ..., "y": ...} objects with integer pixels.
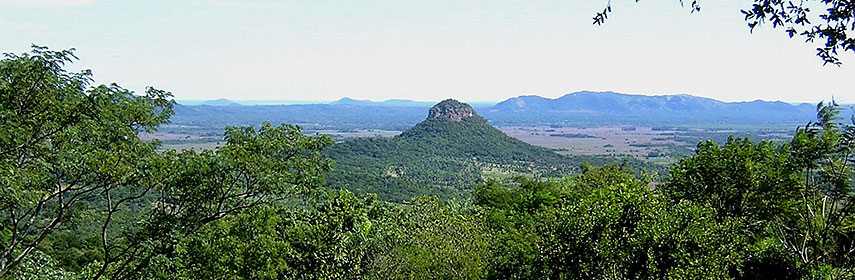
[
  {"x": 797, "y": 197},
  {"x": 254, "y": 168},
  {"x": 834, "y": 25},
  {"x": 67, "y": 148},
  {"x": 63, "y": 144}
]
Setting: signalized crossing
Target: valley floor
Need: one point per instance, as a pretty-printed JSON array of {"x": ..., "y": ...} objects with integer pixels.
[{"x": 660, "y": 145}]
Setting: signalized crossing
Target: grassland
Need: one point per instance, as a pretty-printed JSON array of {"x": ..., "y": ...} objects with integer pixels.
[{"x": 660, "y": 145}]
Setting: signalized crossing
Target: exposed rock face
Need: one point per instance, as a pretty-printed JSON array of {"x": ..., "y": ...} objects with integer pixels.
[{"x": 451, "y": 109}]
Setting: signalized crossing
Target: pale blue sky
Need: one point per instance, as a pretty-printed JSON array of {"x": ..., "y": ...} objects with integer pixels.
[{"x": 425, "y": 50}]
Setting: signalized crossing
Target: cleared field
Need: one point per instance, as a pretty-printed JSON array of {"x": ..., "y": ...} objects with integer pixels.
[
  {"x": 183, "y": 141},
  {"x": 198, "y": 146},
  {"x": 660, "y": 146},
  {"x": 635, "y": 141}
]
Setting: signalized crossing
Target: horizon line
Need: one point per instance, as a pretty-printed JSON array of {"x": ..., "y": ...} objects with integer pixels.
[{"x": 307, "y": 102}]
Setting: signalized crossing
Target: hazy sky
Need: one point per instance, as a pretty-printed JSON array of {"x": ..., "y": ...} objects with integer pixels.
[{"x": 425, "y": 50}]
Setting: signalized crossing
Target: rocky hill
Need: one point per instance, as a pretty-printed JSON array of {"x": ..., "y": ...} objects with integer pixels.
[
  {"x": 452, "y": 110},
  {"x": 445, "y": 155}
]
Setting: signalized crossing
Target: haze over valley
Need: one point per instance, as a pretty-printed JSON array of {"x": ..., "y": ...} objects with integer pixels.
[{"x": 653, "y": 128}]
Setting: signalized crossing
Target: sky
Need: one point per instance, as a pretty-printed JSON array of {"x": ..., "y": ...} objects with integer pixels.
[{"x": 472, "y": 50}]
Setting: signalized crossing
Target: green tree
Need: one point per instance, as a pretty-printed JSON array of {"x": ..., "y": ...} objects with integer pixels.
[
  {"x": 436, "y": 240},
  {"x": 797, "y": 196},
  {"x": 63, "y": 143},
  {"x": 604, "y": 224},
  {"x": 66, "y": 145},
  {"x": 511, "y": 213},
  {"x": 620, "y": 229},
  {"x": 739, "y": 179},
  {"x": 254, "y": 168},
  {"x": 821, "y": 232},
  {"x": 337, "y": 239}
]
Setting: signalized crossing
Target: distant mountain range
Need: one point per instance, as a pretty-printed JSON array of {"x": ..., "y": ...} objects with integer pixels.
[
  {"x": 220, "y": 102},
  {"x": 390, "y": 102},
  {"x": 586, "y": 101},
  {"x": 575, "y": 109},
  {"x": 310, "y": 116},
  {"x": 617, "y": 108},
  {"x": 345, "y": 101}
]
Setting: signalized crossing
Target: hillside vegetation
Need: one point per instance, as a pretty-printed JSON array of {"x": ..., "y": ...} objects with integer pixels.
[{"x": 445, "y": 155}]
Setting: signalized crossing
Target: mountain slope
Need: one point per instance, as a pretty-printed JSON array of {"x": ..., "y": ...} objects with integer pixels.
[
  {"x": 616, "y": 108},
  {"x": 444, "y": 155}
]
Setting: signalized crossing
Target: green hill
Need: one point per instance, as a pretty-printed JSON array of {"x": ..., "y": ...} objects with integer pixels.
[{"x": 445, "y": 155}]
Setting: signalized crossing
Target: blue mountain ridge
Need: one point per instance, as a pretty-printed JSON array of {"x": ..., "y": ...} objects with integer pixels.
[
  {"x": 617, "y": 107},
  {"x": 584, "y": 108}
]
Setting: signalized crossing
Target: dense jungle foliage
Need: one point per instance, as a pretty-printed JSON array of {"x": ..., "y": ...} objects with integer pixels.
[{"x": 82, "y": 197}]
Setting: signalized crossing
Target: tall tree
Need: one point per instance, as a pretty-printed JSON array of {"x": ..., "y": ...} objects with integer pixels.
[
  {"x": 256, "y": 167},
  {"x": 65, "y": 144},
  {"x": 798, "y": 197},
  {"x": 821, "y": 233}
]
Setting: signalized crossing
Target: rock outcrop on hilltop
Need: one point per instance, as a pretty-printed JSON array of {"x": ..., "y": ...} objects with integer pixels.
[{"x": 452, "y": 110}]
